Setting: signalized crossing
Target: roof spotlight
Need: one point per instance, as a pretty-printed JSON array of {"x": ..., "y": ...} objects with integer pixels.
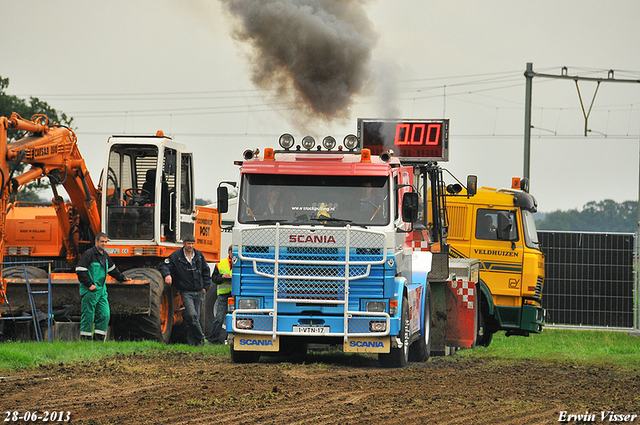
[
  {"x": 286, "y": 141},
  {"x": 329, "y": 142},
  {"x": 350, "y": 142},
  {"x": 308, "y": 142}
]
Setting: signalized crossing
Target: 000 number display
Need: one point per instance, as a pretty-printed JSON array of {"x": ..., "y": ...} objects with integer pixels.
[{"x": 425, "y": 140}]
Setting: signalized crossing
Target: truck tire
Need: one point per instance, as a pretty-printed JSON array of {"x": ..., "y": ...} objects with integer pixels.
[
  {"x": 158, "y": 324},
  {"x": 17, "y": 272},
  {"x": 484, "y": 340},
  {"x": 244, "y": 356},
  {"x": 484, "y": 334},
  {"x": 420, "y": 351},
  {"x": 398, "y": 357},
  {"x": 209, "y": 309}
]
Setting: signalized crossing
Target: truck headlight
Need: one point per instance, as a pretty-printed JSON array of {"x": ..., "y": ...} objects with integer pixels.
[
  {"x": 247, "y": 304},
  {"x": 245, "y": 324},
  {"x": 376, "y": 306},
  {"x": 377, "y": 326}
]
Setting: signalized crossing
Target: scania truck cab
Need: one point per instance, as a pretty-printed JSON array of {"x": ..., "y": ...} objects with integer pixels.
[{"x": 323, "y": 244}]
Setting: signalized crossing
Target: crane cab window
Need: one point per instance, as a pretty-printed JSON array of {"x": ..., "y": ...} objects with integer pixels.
[
  {"x": 186, "y": 189},
  {"x": 130, "y": 203}
]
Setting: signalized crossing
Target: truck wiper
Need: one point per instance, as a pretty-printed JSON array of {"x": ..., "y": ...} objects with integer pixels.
[
  {"x": 337, "y": 221},
  {"x": 269, "y": 221}
]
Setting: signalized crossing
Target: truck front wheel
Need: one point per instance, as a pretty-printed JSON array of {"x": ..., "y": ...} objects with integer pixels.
[
  {"x": 420, "y": 351},
  {"x": 484, "y": 333},
  {"x": 399, "y": 356},
  {"x": 209, "y": 308}
]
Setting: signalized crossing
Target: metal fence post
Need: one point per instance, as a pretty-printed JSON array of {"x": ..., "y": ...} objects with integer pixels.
[{"x": 636, "y": 289}]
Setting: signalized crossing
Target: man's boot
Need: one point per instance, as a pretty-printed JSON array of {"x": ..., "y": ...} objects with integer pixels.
[
  {"x": 86, "y": 338},
  {"x": 99, "y": 337}
]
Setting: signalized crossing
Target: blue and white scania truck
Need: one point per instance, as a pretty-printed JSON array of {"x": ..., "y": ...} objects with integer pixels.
[{"x": 346, "y": 246}]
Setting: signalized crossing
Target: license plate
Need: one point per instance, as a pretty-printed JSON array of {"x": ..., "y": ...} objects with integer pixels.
[
  {"x": 244, "y": 342},
  {"x": 313, "y": 330},
  {"x": 367, "y": 345}
]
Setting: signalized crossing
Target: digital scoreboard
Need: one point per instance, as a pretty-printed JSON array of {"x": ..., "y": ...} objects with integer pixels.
[{"x": 410, "y": 140}]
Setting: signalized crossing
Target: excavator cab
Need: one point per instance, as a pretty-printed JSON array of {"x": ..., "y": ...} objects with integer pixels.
[{"x": 147, "y": 190}]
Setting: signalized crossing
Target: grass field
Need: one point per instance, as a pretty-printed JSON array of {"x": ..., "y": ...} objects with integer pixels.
[
  {"x": 14, "y": 355},
  {"x": 590, "y": 347},
  {"x": 595, "y": 347}
]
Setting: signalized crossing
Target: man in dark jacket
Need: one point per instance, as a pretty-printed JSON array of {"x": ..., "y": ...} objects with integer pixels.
[
  {"x": 188, "y": 270},
  {"x": 92, "y": 270}
]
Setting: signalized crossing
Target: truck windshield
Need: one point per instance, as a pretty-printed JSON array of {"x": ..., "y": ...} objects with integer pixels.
[
  {"x": 313, "y": 199},
  {"x": 530, "y": 231}
]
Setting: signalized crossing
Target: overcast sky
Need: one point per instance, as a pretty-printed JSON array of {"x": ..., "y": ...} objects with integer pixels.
[{"x": 139, "y": 66}]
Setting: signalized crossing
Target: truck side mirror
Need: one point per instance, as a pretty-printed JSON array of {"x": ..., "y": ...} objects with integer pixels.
[
  {"x": 505, "y": 224},
  {"x": 472, "y": 185},
  {"x": 223, "y": 199},
  {"x": 410, "y": 205}
]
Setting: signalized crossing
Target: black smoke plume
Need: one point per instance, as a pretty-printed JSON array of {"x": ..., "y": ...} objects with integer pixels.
[{"x": 314, "y": 51}]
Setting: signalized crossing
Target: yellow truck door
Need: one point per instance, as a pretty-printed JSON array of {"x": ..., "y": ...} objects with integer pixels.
[{"x": 501, "y": 258}]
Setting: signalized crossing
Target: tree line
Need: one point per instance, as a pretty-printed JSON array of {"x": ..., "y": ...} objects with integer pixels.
[{"x": 603, "y": 216}]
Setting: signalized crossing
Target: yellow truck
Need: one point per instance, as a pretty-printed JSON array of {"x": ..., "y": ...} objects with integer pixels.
[{"x": 496, "y": 226}]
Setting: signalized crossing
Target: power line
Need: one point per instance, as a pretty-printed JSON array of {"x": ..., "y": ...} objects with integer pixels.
[{"x": 453, "y": 135}]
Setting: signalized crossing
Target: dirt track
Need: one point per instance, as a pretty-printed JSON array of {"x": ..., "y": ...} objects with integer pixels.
[{"x": 185, "y": 388}]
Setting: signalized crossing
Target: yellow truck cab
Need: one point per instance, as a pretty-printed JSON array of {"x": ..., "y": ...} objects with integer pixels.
[{"x": 496, "y": 226}]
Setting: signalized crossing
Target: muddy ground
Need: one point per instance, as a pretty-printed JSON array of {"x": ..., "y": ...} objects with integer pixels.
[{"x": 201, "y": 388}]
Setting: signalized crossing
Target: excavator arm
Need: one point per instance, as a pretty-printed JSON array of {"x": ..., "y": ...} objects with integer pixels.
[
  {"x": 4, "y": 198},
  {"x": 52, "y": 151}
]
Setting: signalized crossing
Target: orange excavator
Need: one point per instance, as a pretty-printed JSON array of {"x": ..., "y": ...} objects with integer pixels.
[{"x": 144, "y": 202}]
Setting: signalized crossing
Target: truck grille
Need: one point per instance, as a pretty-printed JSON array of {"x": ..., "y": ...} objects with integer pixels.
[
  {"x": 310, "y": 264},
  {"x": 310, "y": 290}
]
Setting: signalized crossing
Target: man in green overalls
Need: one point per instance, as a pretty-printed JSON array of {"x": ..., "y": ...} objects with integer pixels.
[{"x": 92, "y": 270}]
